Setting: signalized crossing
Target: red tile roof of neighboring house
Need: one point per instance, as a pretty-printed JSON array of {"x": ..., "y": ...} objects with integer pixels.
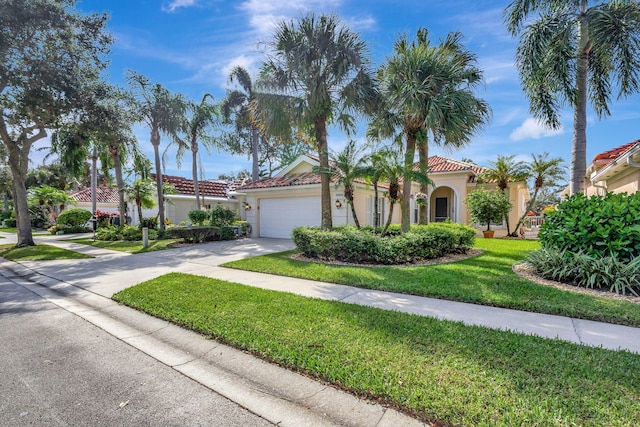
[
  {"x": 211, "y": 188},
  {"x": 103, "y": 195},
  {"x": 443, "y": 164},
  {"x": 603, "y": 159}
]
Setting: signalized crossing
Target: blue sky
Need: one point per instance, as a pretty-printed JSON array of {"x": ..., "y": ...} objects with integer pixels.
[{"x": 191, "y": 45}]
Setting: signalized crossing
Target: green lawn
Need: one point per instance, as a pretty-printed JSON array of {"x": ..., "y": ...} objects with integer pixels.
[
  {"x": 487, "y": 279},
  {"x": 437, "y": 370},
  {"x": 129, "y": 247},
  {"x": 38, "y": 253}
]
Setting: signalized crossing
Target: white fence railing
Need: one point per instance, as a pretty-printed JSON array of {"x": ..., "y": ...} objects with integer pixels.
[{"x": 531, "y": 226}]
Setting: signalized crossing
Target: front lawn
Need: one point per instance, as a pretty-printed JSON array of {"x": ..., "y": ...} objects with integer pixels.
[
  {"x": 38, "y": 253},
  {"x": 132, "y": 247},
  {"x": 437, "y": 370},
  {"x": 487, "y": 279}
]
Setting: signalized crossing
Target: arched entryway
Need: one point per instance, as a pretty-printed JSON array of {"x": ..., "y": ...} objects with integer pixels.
[{"x": 442, "y": 202}]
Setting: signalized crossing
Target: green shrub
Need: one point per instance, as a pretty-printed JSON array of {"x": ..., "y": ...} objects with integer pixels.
[
  {"x": 198, "y": 217},
  {"x": 10, "y": 222},
  {"x": 131, "y": 233},
  {"x": 227, "y": 233},
  {"x": 74, "y": 217},
  {"x": 221, "y": 216},
  {"x": 580, "y": 269},
  {"x": 195, "y": 234},
  {"x": 599, "y": 226},
  {"x": 6, "y": 214},
  {"x": 349, "y": 244},
  {"x": 109, "y": 233},
  {"x": 244, "y": 227},
  {"x": 487, "y": 206},
  {"x": 151, "y": 223}
]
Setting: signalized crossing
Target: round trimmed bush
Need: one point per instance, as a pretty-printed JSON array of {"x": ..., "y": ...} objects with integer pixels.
[{"x": 74, "y": 217}]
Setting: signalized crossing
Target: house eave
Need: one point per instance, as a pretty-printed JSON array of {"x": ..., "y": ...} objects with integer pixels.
[{"x": 616, "y": 166}]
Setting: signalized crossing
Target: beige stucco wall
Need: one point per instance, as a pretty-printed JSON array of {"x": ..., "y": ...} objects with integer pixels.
[
  {"x": 627, "y": 183},
  {"x": 178, "y": 210}
]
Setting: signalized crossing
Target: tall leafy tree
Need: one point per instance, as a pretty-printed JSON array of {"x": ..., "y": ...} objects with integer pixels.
[
  {"x": 427, "y": 92},
  {"x": 197, "y": 130},
  {"x": 571, "y": 52},
  {"x": 162, "y": 111},
  {"x": 51, "y": 57},
  {"x": 315, "y": 74},
  {"x": 544, "y": 172},
  {"x": 238, "y": 107},
  {"x": 503, "y": 171},
  {"x": 346, "y": 167}
]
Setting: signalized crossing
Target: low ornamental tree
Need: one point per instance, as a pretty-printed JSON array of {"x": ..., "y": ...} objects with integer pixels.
[{"x": 486, "y": 206}]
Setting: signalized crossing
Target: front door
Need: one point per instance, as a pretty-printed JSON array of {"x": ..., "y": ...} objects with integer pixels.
[{"x": 442, "y": 209}]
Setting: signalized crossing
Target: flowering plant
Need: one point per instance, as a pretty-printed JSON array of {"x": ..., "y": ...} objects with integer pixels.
[{"x": 421, "y": 199}]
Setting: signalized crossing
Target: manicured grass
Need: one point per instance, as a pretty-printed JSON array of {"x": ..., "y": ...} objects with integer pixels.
[
  {"x": 9, "y": 230},
  {"x": 14, "y": 230},
  {"x": 487, "y": 279},
  {"x": 129, "y": 247},
  {"x": 438, "y": 370},
  {"x": 38, "y": 253}
]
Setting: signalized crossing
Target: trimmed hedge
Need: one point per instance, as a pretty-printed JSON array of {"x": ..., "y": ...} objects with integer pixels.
[
  {"x": 599, "y": 226},
  {"x": 199, "y": 234},
  {"x": 348, "y": 244},
  {"x": 74, "y": 217}
]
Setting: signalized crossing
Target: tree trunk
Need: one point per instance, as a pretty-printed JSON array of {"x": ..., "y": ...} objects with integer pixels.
[
  {"x": 376, "y": 208},
  {"x": 348, "y": 192},
  {"x": 423, "y": 210},
  {"x": 579, "y": 142},
  {"x": 406, "y": 182},
  {"x": 18, "y": 163},
  {"x": 94, "y": 180},
  {"x": 528, "y": 207},
  {"x": 194, "y": 171},
  {"x": 325, "y": 180},
  {"x": 117, "y": 168},
  {"x": 155, "y": 141},
  {"x": 255, "y": 170},
  {"x": 389, "y": 217}
]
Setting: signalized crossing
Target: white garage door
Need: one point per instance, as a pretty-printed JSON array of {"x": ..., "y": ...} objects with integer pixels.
[{"x": 278, "y": 217}]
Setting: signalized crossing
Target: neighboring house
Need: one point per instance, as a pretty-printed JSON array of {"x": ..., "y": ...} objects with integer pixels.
[
  {"x": 616, "y": 170},
  {"x": 292, "y": 198},
  {"x": 212, "y": 193},
  {"x": 106, "y": 199}
]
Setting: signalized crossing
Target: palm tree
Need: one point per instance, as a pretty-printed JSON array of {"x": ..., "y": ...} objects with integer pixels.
[
  {"x": 197, "y": 129},
  {"x": 571, "y": 52},
  {"x": 315, "y": 75},
  {"x": 504, "y": 170},
  {"x": 239, "y": 103},
  {"x": 347, "y": 166},
  {"x": 545, "y": 173},
  {"x": 161, "y": 111},
  {"x": 141, "y": 192},
  {"x": 428, "y": 92}
]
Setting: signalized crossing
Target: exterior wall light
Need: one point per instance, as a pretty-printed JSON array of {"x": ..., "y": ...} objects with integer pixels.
[
  {"x": 247, "y": 207},
  {"x": 338, "y": 203}
]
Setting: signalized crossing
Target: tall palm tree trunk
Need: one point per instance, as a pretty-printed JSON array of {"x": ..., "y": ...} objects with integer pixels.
[
  {"x": 94, "y": 180},
  {"x": 579, "y": 142},
  {"x": 114, "y": 150},
  {"x": 376, "y": 207},
  {"x": 325, "y": 180},
  {"x": 406, "y": 182},
  {"x": 389, "y": 217},
  {"x": 155, "y": 141},
  {"x": 255, "y": 171},
  {"x": 423, "y": 210},
  {"x": 194, "y": 171}
]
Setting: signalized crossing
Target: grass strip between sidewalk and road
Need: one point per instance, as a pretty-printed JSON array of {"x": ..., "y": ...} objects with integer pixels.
[
  {"x": 439, "y": 371},
  {"x": 38, "y": 253},
  {"x": 487, "y": 279},
  {"x": 132, "y": 247}
]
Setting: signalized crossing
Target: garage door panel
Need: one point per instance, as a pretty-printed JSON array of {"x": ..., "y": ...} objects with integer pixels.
[{"x": 279, "y": 216}]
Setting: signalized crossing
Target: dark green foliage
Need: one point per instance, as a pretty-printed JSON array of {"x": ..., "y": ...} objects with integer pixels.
[
  {"x": 10, "y": 222},
  {"x": 109, "y": 233},
  {"x": 198, "y": 217},
  {"x": 74, "y": 217},
  {"x": 196, "y": 234},
  {"x": 587, "y": 271},
  {"x": 221, "y": 216},
  {"x": 598, "y": 226},
  {"x": 349, "y": 244},
  {"x": 150, "y": 223},
  {"x": 129, "y": 232},
  {"x": 6, "y": 215}
]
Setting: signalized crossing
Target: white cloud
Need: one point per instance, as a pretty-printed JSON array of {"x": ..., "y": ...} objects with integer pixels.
[
  {"x": 533, "y": 129},
  {"x": 243, "y": 61},
  {"x": 176, "y": 4},
  {"x": 264, "y": 15}
]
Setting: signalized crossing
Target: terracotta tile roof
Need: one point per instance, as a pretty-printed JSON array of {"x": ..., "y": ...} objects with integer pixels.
[
  {"x": 304, "y": 178},
  {"x": 439, "y": 164},
  {"x": 603, "y": 159},
  {"x": 210, "y": 188},
  {"x": 103, "y": 195}
]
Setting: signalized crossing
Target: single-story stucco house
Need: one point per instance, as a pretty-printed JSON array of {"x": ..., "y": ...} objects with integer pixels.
[
  {"x": 292, "y": 198},
  {"x": 616, "y": 170}
]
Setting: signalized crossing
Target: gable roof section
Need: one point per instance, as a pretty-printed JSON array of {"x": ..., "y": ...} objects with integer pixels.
[
  {"x": 439, "y": 164},
  {"x": 103, "y": 195},
  {"x": 604, "y": 158},
  {"x": 209, "y": 188}
]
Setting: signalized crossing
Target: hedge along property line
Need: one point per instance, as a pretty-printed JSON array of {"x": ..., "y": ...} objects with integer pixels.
[{"x": 348, "y": 244}]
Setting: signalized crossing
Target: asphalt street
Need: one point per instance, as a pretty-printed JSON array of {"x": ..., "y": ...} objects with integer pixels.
[{"x": 57, "y": 369}]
